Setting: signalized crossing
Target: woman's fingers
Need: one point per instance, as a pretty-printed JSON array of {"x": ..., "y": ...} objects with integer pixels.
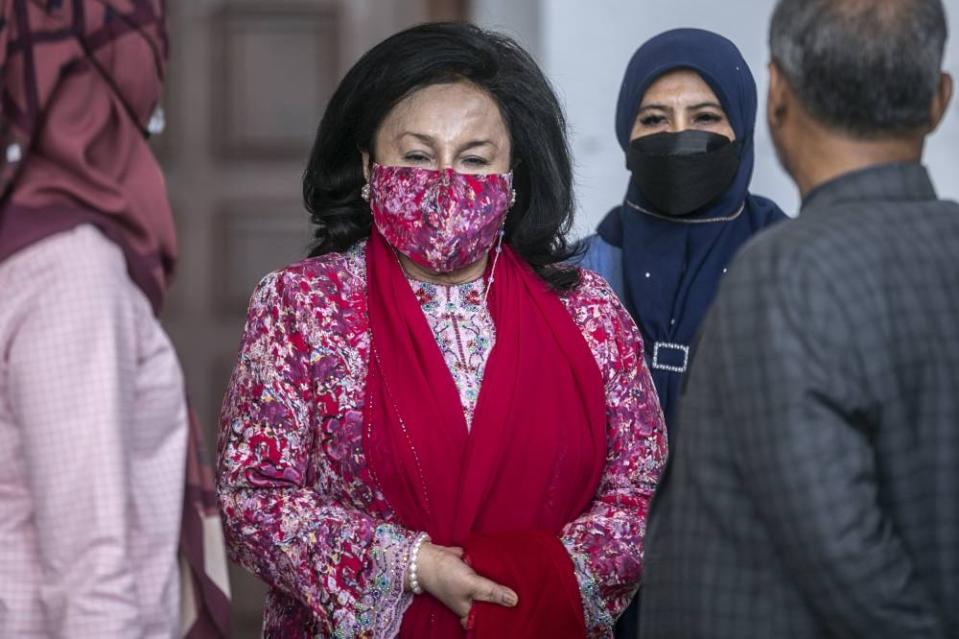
[
  {"x": 456, "y": 551},
  {"x": 485, "y": 590}
]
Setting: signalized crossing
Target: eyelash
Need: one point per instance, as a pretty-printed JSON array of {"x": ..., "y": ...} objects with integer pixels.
[
  {"x": 702, "y": 118},
  {"x": 421, "y": 157}
]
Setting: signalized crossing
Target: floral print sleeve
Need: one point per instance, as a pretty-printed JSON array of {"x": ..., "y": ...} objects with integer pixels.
[
  {"x": 299, "y": 508},
  {"x": 606, "y": 543}
]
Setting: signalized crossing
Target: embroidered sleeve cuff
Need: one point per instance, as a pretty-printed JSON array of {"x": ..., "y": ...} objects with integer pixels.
[
  {"x": 599, "y": 623},
  {"x": 390, "y": 554}
]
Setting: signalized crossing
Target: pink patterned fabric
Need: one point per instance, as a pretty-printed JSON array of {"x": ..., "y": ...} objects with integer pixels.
[
  {"x": 464, "y": 332},
  {"x": 300, "y": 507},
  {"x": 442, "y": 220},
  {"x": 79, "y": 83},
  {"x": 93, "y": 421}
]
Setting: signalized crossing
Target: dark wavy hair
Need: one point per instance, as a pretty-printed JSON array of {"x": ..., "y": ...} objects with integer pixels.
[{"x": 439, "y": 53}]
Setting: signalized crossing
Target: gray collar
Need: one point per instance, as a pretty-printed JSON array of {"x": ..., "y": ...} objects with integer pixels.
[{"x": 887, "y": 182}]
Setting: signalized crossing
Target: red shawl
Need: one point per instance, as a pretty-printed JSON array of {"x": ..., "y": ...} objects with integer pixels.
[{"x": 531, "y": 463}]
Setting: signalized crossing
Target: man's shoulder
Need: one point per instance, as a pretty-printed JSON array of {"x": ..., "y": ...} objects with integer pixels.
[
  {"x": 851, "y": 233},
  {"x": 793, "y": 264},
  {"x": 853, "y": 250},
  {"x": 783, "y": 247},
  {"x": 873, "y": 232}
]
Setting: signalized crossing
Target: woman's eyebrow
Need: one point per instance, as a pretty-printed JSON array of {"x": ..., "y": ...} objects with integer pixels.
[
  {"x": 655, "y": 106},
  {"x": 430, "y": 140},
  {"x": 475, "y": 143},
  {"x": 422, "y": 137},
  {"x": 705, "y": 105}
]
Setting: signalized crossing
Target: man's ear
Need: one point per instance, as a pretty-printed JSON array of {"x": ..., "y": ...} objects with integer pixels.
[
  {"x": 940, "y": 101},
  {"x": 778, "y": 97}
]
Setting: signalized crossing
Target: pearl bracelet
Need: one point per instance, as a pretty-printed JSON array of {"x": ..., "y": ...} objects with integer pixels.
[{"x": 414, "y": 555}]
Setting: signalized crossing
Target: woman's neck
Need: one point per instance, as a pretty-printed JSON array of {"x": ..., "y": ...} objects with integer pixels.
[{"x": 461, "y": 276}]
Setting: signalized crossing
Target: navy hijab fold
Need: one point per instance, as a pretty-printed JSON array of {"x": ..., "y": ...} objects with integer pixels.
[{"x": 672, "y": 267}]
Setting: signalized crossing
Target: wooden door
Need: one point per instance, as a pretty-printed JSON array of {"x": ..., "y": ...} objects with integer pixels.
[{"x": 246, "y": 87}]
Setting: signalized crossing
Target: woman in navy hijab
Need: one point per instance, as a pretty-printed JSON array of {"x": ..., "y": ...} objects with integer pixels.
[{"x": 685, "y": 119}]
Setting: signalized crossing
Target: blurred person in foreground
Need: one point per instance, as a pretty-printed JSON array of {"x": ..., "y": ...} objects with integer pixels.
[
  {"x": 815, "y": 491},
  {"x": 105, "y": 500}
]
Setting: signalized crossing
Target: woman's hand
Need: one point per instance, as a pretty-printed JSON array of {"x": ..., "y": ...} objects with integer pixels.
[{"x": 443, "y": 573}]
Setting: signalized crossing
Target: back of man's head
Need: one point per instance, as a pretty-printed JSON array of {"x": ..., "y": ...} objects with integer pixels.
[{"x": 866, "y": 68}]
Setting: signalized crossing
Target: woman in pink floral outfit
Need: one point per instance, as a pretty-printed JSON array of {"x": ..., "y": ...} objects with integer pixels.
[{"x": 436, "y": 429}]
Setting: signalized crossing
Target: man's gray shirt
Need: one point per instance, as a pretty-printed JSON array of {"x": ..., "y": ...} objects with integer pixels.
[{"x": 814, "y": 491}]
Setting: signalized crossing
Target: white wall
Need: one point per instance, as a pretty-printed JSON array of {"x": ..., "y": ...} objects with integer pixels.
[{"x": 584, "y": 48}]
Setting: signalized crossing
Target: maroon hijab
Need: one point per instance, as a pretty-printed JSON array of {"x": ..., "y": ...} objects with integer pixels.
[
  {"x": 531, "y": 463},
  {"x": 80, "y": 80}
]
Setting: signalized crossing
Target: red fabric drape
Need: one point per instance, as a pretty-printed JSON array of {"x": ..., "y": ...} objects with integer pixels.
[
  {"x": 532, "y": 461},
  {"x": 537, "y": 567}
]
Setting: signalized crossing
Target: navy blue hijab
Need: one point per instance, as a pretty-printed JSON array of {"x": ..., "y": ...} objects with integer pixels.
[{"x": 672, "y": 266}]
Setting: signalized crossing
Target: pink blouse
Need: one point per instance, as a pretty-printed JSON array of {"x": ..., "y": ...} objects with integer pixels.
[
  {"x": 94, "y": 424},
  {"x": 300, "y": 508},
  {"x": 464, "y": 332}
]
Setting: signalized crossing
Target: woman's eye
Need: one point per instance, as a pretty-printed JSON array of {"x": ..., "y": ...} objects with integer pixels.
[
  {"x": 652, "y": 120},
  {"x": 708, "y": 118},
  {"x": 416, "y": 157},
  {"x": 475, "y": 161}
]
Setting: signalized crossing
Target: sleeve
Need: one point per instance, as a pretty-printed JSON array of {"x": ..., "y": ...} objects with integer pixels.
[
  {"x": 804, "y": 435},
  {"x": 590, "y": 257},
  {"x": 344, "y": 565},
  {"x": 605, "y": 260},
  {"x": 606, "y": 542},
  {"x": 72, "y": 366}
]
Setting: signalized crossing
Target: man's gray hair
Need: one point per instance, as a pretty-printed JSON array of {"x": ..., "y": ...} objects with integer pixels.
[{"x": 869, "y": 68}]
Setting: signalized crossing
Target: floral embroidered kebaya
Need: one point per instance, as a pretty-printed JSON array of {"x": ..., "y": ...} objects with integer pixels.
[
  {"x": 464, "y": 332},
  {"x": 302, "y": 509}
]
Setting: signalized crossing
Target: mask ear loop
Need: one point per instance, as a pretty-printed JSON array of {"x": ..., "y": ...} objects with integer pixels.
[{"x": 499, "y": 249}]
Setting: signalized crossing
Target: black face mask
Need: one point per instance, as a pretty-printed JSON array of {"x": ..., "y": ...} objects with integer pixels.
[{"x": 682, "y": 172}]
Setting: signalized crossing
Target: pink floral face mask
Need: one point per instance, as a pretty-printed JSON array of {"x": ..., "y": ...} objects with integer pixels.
[{"x": 442, "y": 220}]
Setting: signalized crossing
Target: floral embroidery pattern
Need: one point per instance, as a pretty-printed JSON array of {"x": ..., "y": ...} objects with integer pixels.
[
  {"x": 300, "y": 507},
  {"x": 606, "y": 542},
  {"x": 442, "y": 220},
  {"x": 464, "y": 332}
]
